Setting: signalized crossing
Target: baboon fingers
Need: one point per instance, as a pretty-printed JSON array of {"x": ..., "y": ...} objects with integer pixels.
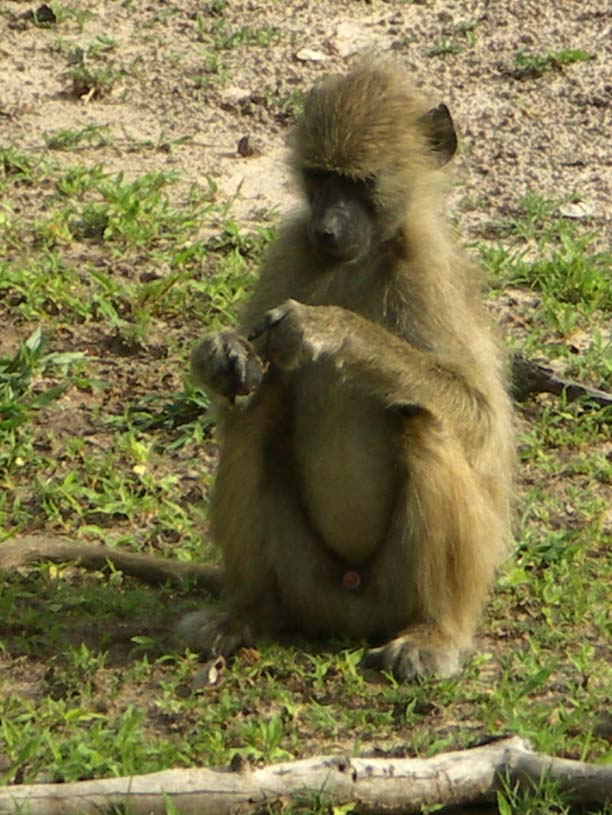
[
  {"x": 247, "y": 372},
  {"x": 227, "y": 364},
  {"x": 281, "y": 332},
  {"x": 270, "y": 319}
]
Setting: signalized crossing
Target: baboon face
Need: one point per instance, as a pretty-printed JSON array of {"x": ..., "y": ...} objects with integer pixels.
[
  {"x": 342, "y": 218},
  {"x": 360, "y": 146}
]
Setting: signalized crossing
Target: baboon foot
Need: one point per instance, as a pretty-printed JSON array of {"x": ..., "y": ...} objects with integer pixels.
[
  {"x": 212, "y": 632},
  {"x": 415, "y": 656}
]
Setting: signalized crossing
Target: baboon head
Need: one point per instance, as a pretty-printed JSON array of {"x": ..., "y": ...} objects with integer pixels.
[{"x": 365, "y": 143}]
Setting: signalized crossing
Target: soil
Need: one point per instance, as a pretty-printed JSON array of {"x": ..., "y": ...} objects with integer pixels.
[{"x": 544, "y": 134}]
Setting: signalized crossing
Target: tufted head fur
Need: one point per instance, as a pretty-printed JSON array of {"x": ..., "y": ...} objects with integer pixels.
[{"x": 371, "y": 124}]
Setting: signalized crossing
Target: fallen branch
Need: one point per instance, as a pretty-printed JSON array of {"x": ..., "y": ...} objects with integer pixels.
[
  {"x": 27, "y": 549},
  {"x": 370, "y": 785},
  {"x": 529, "y": 377}
]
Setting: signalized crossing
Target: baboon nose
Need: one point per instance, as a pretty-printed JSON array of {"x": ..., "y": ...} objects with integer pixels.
[{"x": 327, "y": 234}]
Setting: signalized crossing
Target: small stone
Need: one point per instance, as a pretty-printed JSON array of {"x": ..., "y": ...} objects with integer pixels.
[
  {"x": 577, "y": 211},
  {"x": 308, "y": 55}
]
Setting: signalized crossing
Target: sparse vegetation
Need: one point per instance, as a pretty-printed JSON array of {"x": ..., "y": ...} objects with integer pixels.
[
  {"x": 90, "y": 136},
  {"x": 531, "y": 66},
  {"x": 555, "y": 258},
  {"x": 113, "y": 259},
  {"x": 463, "y": 35},
  {"x": 444, "y": 46}
]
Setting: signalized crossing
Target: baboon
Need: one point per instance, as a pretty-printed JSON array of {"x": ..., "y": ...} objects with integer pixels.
[
  {"x": 365, "y": 477},
  {"x": 364, "y": 482}
]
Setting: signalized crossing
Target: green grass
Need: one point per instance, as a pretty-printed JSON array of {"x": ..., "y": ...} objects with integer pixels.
[
  {"x": 67, "y": 12},
  {"x": 569, "y": 275},
  {"x": 90, "y": 136},
  {"x": 109, "y": 693},
  {"x": 105, "y": 283},
  {"x": 218, "y": 38},
  {"x": 532, "y": 66},
  {"x": 443, "y": 47}
]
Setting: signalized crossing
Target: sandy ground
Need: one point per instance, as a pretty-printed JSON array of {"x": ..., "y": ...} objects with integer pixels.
[{"x": 211, "y": 73}]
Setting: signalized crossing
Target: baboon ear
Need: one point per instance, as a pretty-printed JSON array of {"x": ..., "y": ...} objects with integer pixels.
[{"x": 440, "y": 132}]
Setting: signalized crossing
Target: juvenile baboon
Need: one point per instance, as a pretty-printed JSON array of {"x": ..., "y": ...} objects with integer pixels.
[{"x": 366, "y": 444}]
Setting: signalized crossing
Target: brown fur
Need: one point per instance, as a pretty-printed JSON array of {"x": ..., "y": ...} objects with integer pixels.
[{"x": 379, "y": 443}]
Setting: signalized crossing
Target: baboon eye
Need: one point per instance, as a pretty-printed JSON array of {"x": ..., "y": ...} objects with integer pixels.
[{"x": 317, "y": 175}]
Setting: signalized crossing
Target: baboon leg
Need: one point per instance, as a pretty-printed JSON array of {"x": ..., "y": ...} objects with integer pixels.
[
  {"x": 212, "y": 632},
  {"x": 450, "y": 533},
  {"x": 316, "y": 597},
  {"x": 429, "y": 579},
  {"x": 425, "y": 587},
  {"x": 239, "y": 528}
]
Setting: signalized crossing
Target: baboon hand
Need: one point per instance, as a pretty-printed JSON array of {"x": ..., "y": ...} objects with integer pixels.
[
  {"x": 227, "y": 364},
  {"x": 293, "y": 333}
]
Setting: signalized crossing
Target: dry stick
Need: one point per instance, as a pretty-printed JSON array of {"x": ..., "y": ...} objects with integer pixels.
[
  {"x": 529, "y": 377},
  {"x": 26, "y": 549},
  {"x": 371, "y": 785}
]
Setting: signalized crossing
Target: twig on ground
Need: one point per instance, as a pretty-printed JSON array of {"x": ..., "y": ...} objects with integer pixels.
[
  {"x": 369, "y": 785},
  {"x": 529, "y": 377}
]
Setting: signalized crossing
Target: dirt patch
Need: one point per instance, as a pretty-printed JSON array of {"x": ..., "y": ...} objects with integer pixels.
[{"x": 188, "y": 85}]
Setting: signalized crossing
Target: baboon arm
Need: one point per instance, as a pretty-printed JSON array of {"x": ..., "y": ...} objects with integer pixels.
[
  {"x": 370, "y": 357},
  {"x": 399, "y": 373}
]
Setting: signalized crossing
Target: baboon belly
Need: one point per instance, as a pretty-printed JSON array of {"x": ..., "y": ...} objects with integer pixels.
[{"x": 348, "y": 476}]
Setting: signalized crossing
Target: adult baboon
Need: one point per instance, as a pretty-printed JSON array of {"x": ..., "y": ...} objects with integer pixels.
[{"x": 364, "y": 483}]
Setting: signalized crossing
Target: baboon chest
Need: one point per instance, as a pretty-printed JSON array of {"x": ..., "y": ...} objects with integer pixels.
[{"x": 346, "y": 469}]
